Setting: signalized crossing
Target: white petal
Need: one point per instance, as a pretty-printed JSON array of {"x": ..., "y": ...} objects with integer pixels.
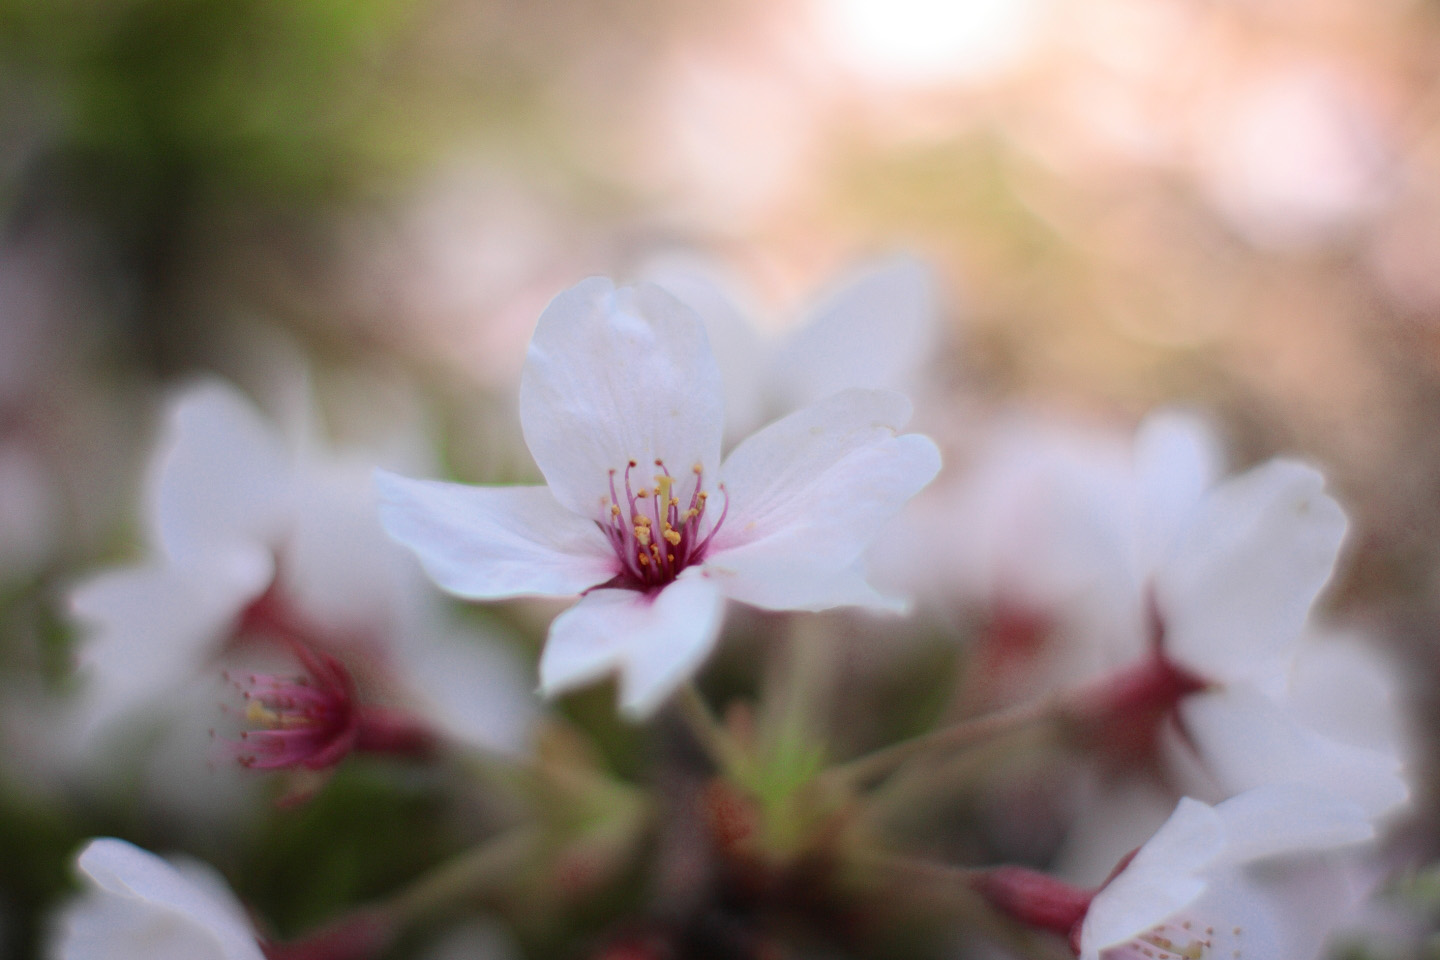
[
  {"x": 471, "y": 687},
  {"x": 873, "y": 333},
  {"x": 1163, "y": 878},
  {"x": 1283, "y": 818},
  {"x": 1341, "y": 688},
  {"x": 656, "y": 640},
  {"x": 737, "y": 344},
  {"x": 221, "y": 474},
  {"x": 1247, "y": 740},
  {"x": 489, "y": 542},
  {"x": 808, "y": 493},
  {"x": 1237, "y": 589},
  {"x": 613, "y": 376},
  {"x": 339, "y": 567},
  {"x": 161, "y": 913},
  {"x": 154, "y": 626},
  {"x": 1177, "y": 460}
]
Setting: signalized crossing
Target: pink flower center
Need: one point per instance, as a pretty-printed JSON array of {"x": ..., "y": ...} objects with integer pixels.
[
  {"x": 655, "y": 530},
  {"x": 311, "y": 721}
]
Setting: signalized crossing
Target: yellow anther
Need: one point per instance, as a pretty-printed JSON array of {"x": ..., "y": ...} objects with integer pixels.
[
  {"x": 643, "y": 535},
  {"x": 691, "y": 514},
  {"x": 671, "y": 556},
  {"x": 697, "y": 469},
  {"x": 257, "y": 712},
  {"x": 642, "y": 493},
  {"x": 655, "y": 549},
  {"x": 673, "y": 537},
  {"x": 643, "y": 558},
  {"x": 673, "y": 502},
  {"x": 703, "y": 496},
  {"x": 642, "y": 520},
  {"x": 614, "y": 510}
]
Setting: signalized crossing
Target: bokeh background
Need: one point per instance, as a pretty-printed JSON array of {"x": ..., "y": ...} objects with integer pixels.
[{"x": 1226, "y": 204}]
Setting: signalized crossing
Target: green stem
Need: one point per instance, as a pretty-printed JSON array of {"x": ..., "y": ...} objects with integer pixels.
[
  {"x": 714, "y": 739},
  {"x": 873, "y": 766},
  {"x": 481, "y": 869}
]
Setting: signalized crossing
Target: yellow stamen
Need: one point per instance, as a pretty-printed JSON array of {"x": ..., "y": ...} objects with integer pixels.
[
  {"x": 257, "y": 712},
  {"x": 643, "y": 535},
  {"x": 644, "y": 560},
  {"x": 642, "y": 520},
  {"x": 614, "y": 510},
  {"x": 673, "y": 537}
]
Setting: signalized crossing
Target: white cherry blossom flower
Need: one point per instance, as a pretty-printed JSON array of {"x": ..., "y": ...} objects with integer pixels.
[
  {"x": 252, "y": 536},
  {"x": 1204, "y": 585},
  {"x": 1260, "y": 876},
  {"x": 137, "y": 906},
  {"x": 622, "y": 408}
]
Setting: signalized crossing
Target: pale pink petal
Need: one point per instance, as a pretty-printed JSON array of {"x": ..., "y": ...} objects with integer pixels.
[
  {"x": 1341, "y": 687},
  {"x": 339, "y": 567},
  {"x": 1163, "y": 878},
  {"x": 471, "y": 687},
  {"x": 142, "y": 907},
  {"x": 489, "y": 542},
  {"x": 1287, "y": 818},
  {"x": 872, "y": 333},
  {"x": 1239, "y": 584},
  {"x": 737, "y": 344},
  {"x": 807, "y": 494},
  {"x": 657, "y": 640},
  {"x": 1177, "y": 460},
  {"x": 151, "y": 627},
  {"x": 221, "y": 475},
  {"x": 614, "y": 376},
  {"x": 1247, "y": 740}
]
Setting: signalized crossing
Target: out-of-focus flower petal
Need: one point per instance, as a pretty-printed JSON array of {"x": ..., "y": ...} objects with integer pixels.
[
  {"x": 153, "y": 626},
  {"x": 872, "y": 333},
  {"x": 1248, "y": 740},
  {"x": 1238, "y": 586},
  {"x": 1163, "y": 877},
  {"x": 143, "y": 908},
  {"x": 221, "y": 476},
  {"x": 489, "y": 542},
  {"x": 1177, "y": 459},
  {"x": 614, "y": 376}
]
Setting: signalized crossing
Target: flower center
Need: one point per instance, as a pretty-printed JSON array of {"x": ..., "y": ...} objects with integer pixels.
[
  {"x": 655, "y": 531},
  {"x": 310, "y": 721}
]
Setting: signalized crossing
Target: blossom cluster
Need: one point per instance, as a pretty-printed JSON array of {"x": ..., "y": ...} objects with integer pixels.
[{"x": 1146, "y": 631}]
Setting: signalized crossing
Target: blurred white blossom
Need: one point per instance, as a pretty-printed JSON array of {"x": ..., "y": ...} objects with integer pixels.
[{"x": 245, "y": 525}]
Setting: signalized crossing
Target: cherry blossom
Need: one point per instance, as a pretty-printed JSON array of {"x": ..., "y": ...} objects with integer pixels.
[
  {"x": 1203, "y": 586},
  {"x": 254, "y": 538},
  {"x": 622, "y": 408},
  {"x": 1260, "y": 876}
]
